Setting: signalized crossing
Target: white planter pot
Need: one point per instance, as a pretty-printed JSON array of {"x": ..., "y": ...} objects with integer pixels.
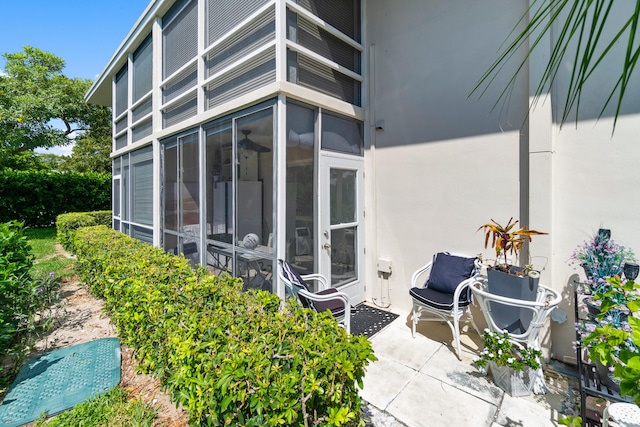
[{"x": 516, "y": 383}]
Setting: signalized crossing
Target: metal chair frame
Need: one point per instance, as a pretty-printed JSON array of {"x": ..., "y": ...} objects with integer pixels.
[{"x": 450, "y": 317}]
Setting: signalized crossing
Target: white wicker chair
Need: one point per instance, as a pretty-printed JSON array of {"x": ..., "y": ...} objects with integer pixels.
[
  {"x": 445, "y": 295},
  {"x": 326, "y": 298}
]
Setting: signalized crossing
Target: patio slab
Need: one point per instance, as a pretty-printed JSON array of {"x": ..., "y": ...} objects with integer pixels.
[
  {"x": 427, "y": 402},
  {"x": 420, "y": 382},
  {"x": 445, "y": 366},
  {"x": 524, "y": 412}
]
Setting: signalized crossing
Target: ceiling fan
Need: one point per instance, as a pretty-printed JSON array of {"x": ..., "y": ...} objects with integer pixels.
[{"x": 248, "y": 144}]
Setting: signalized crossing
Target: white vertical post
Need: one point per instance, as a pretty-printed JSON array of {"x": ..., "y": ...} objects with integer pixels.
[
  {"x": 156, "y": 125},
  {"x": 281, "y": 40},
  {"x": 280, "y": 215}
]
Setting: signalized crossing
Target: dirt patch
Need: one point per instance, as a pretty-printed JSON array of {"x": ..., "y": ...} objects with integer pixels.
[{"x": 83, "y": 319}]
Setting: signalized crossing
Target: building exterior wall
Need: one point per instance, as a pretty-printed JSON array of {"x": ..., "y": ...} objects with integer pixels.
[
  {"x": 443, "y": 164},
  {"x": 440, "y": 163}
]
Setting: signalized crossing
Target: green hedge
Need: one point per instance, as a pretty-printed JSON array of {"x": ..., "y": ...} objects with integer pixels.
[
  {"x": 36, "y": 198},
  {"x": 229, "y": 358},
  {"x": 67, "y": 224},
  {"x": 17, "y": 290}
]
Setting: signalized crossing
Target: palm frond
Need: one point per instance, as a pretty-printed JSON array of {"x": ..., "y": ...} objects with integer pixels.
[{"x": 582, "y": 34}]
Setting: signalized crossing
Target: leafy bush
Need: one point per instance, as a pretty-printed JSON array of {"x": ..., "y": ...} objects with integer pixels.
[
  {"x": 16, "y": 289},
  {"x": 230, "y": 358},
  {"x": 37, "y": 197},
  {"x": 68, "y": 223}
]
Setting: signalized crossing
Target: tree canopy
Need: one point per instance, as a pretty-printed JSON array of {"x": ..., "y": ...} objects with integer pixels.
[{"x": 40, "y": 107}]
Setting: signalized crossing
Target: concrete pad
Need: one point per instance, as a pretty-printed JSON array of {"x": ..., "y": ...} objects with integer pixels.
[
  {"x": 427, "y": 402},
  {"x": 445, "y": 366},
  {"x": 398, "y": 345},
  {"x": 470, "y": 341},
  {"x": 384, "y": 379},
  {"x": 523, "y": 412}
]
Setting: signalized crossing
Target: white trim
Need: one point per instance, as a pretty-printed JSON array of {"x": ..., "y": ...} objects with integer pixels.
[
  {"x": 200, "y": 67},
  {"x": 280, "y": 187},
  {"x": 122, "y": 115},
  {"x": 178, "y": 98},
  {"x": 280, "y": 41},
  {"x": 157, "y": 76},
  {"x": 176, "y": 74},
  {"x": 334, "y": 65},
  {"x": 147, "y": 140},
  {"x": 142, "y": 119},
  {"x": 328, "y": 27},
  {"x": 142, "y": 100},
  {"x": 319, "y": 99}
]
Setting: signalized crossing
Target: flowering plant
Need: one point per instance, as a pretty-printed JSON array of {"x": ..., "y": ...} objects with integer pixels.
[
  {"x": 601, "y": 258},
  {"x": 499, "y": 348}
]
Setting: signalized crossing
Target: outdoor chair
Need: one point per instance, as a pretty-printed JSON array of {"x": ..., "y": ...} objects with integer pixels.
[
  {"x": 547, "y": 300},
  {"x": 326, "y": 298},
  {"x": 445, "y": 295}
]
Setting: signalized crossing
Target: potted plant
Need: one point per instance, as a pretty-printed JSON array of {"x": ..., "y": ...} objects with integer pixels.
[
  {"x": 510, "y": 280},
  {"x": 601, "y": 258},
  {"x": 512, "y": 366},
  {"x": 609, "y": 337}
]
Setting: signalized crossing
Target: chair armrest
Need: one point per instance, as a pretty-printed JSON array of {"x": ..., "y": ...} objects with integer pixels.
[
  {"x": 318, "y": 278},
  {"x": 327, "y": 297},
  {"x": 419, "y": 272}
]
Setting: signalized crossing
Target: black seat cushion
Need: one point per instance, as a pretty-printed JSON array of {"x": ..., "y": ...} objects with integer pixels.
[
  {"x": 336, "y": 306},
  {"x": 447, "y": 271},
  {"x": 439, "y": 300}
]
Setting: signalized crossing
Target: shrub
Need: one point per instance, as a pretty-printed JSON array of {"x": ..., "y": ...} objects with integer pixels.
[
  {"x": 37, "y": 197},
  {"x": 67, "y": 224},
  {"x": 230, "y": 358},
  {"x": 16, "y": 288}
]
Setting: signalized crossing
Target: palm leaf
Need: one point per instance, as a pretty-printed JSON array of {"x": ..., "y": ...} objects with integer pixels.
[{"x": 581, "y": 38}]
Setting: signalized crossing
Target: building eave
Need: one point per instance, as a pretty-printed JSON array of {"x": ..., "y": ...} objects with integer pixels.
[{"x": 100, "y": 91}]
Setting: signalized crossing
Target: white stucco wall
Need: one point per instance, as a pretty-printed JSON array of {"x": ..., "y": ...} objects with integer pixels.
[{"x": 444, "y": 164}]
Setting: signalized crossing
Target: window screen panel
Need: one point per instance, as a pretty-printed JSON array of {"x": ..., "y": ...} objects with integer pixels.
[
  {"x": 121, "y": 90},
  {"x": 141, "y": 111},
  {"x": 341, "y": 134},
  {"x": 185, "y": 81},
  {"x": 141, "y": 130},
  {"x": 258, "y": 33},
  {"x": 116, "y": 197},
  {"x": 121, "y": 141},
  {"x": 313, "y": 74},
  {"x": 121, "y": 124},
  {"x": 143, "y": 234},
  {"x": 344, "y": 15},
  {"x": 223, "y": 15},
  {"x": 180, "y": 112},
  {"x": 327, "y": 45},
  {"x": 256, "y": 73},
  {"x": 179, "y": 37},
  {"x": 142, "y": 69},
  {"x": 142, "y": 186}
]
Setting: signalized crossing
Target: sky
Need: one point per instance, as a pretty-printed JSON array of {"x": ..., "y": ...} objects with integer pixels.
[{"x": 85, "y": 33}]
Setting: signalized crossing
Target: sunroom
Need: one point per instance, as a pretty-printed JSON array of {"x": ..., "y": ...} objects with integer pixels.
[{"x": 239, "y": 137}]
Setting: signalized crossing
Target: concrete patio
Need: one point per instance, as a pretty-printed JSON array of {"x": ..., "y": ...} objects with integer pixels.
[{"x": 421, "y": 382}]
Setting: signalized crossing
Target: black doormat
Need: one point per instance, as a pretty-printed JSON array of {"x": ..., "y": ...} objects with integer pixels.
[{"x": 367, "y": 320}]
